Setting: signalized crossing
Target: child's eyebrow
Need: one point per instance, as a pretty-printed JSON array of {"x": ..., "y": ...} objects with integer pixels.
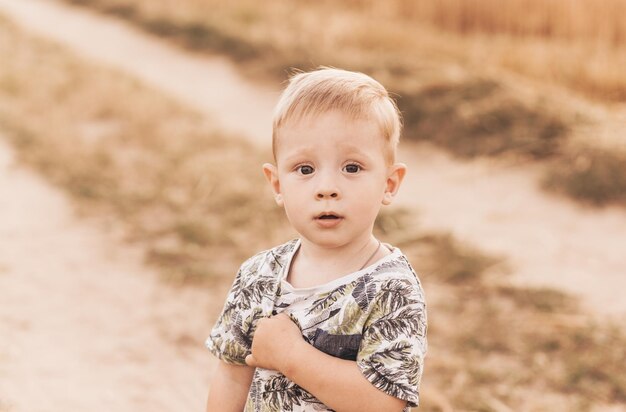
[
  {"x": 356, "y": 151},
  {"x": 299, "y": 153},
  {"x": 348, "y": 149}
]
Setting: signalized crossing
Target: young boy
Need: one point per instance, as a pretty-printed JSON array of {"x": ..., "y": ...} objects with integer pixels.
[{"x": 333, "y": 320}]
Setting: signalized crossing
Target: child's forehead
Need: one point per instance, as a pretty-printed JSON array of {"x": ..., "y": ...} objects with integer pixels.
[
  {"x": 342, "y": 147},
  {"x": 337, "y": 127},
  {"x": 355, "y": 114},
  {"x": 333, "y": 130},
  {"x": 329, "y": 122}
]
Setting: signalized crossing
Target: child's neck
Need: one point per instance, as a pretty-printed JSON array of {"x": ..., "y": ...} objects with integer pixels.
[{"x": 315, "y": 265}]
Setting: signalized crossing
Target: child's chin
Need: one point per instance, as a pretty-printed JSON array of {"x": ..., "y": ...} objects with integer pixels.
[{"x": 328, "y": 242}]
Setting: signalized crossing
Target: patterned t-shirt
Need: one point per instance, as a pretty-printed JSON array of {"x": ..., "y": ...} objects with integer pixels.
[{"x": 375, "y": 316}]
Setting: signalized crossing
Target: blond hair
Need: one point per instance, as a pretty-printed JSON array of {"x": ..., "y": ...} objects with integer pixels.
[{"x": 355, "y": 94}]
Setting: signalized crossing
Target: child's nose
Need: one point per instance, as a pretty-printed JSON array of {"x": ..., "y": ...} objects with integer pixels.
[
  {"x": 327, "y": 188},
  {"x": 322, "y": 195}
]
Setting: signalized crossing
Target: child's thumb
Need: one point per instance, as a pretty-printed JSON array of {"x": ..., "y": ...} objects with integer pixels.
[{"x": 250, "y": 361}]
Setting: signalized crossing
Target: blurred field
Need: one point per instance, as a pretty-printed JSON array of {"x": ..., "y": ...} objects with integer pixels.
[
  {"x": 572, "y": 20},
  {"x": 174, "y": 182},
  {"x": 189, "y": 195},
  {"x": 471, "y": 76},
  {"x": 554, "y": 31}
]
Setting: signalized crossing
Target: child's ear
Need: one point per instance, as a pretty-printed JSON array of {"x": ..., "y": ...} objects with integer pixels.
[
  {"x": 394, "y": 179},
  {"x": 271, "y": 174}
]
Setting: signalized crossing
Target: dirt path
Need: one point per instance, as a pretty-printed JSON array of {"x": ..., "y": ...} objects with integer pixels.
[
  {"x": 117, "y": 339},
  {"x": 82, "y": 324},
  {"x": 210, "y": 85},
  {"x": 549, "y": 241}
]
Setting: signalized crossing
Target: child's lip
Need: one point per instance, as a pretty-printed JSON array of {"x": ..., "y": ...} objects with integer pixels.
[
  {"x": 328, "y": 216},
  {"x": 328, "y": 219}
]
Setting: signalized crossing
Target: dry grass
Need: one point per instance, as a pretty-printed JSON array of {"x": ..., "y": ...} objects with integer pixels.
[
  {"x": 592, "y": 175},
  {"x": 577, "y": 44},
  {"x": 524, "y": 349},
  {"x": 185, "y": 192},
  {"x": 470, "y": 118},
  {"x": 563, "y": 19}
]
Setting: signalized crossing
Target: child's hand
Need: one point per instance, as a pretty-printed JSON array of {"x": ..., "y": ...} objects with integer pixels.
[{"x": 274, "y": 340}]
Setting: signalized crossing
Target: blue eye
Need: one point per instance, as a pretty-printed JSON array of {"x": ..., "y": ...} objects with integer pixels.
[
  {"x": 305, "y": 169},
  {"x": 352, "y": 168}
]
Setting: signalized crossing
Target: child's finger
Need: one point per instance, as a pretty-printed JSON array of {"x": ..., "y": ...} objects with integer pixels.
[
  {"x": 250, "y": 361},
  {"x": 291, "y": 318}
]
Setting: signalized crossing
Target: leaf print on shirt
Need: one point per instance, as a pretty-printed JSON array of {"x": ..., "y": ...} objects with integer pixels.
[
  {"x": 281, "y": 394},
  {"x": 407, "y": 321},
  {"x": 328, "y": 299},
  {"x": 364, "y": 291},
  {"x": 397, "y": 351},
  {"x": 391, "y": 382},
  {"x": 321, "y": 318},
  {"x": 388, "y": 370},
  {"x": 232, "y": 352},
  {"x": 241, "y": 335},
  {"x": 254, "y": 292},
  {"x": 394, "y": 294},
  {"x": 245, "y": 327},
  {"x": 349, "y": 322}
]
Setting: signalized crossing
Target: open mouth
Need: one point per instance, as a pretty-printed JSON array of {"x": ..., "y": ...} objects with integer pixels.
[
  {"x": 328, "y": 220},
  {"x": 328, "y": 216}
]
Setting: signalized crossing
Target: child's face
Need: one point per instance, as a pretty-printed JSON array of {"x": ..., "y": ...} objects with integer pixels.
[{"x": 332, "y": 178}]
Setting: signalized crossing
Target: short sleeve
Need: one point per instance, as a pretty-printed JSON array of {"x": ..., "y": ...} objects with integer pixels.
[
  {"x": 392, "y": 351},
  {"x": 231, "y": 337}
]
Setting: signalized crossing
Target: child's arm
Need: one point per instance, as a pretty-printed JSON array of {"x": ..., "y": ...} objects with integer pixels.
[
  {"x": 229, "y": 388},
  {"x": 278, "y": 345}
]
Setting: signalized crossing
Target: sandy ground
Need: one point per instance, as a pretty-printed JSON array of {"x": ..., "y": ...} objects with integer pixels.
[
  {"x": 84, "y": 326},
  {"x": 547, "y": 240},
  {"x": 80, "y": 310}
]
